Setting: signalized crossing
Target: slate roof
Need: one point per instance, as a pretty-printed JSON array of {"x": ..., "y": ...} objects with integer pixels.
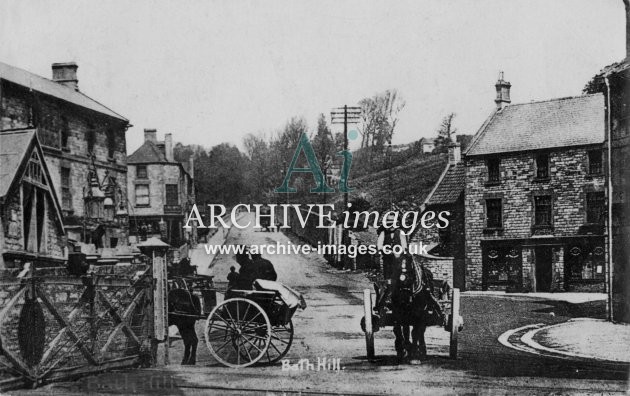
[
  {"x": 449, "y": 187},
  {"x": 564, "y": 122},
  {"x": 13, "y": 147},
  {"x": 55, "y": 89},
  {"x": 148, "y": 153}
]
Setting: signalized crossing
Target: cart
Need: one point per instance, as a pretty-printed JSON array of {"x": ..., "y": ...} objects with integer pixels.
[
  {"x": 373, "y": 321},
  {"x": 250, "y": 326}
]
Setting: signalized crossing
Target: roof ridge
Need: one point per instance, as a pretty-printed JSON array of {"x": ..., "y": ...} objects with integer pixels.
[{"x": 554, "y": 99}]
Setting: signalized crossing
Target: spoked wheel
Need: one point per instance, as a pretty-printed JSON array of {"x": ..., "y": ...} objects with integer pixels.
[
  {"x": 238, "y": 332},
  {"x": 280, "y": 343}
]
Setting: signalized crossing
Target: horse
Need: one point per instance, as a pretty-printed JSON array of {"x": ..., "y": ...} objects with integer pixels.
[
  {"x": 184, "y": 309},
  {"x": 413, "y": 307}
]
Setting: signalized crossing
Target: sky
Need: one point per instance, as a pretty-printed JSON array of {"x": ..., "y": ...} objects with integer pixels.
[{"x": 213, "y": 71}]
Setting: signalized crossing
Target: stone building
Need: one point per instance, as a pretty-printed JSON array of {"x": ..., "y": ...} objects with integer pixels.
[
  {"x": 446, "y": 257},
  {"x": 535, "y": 196},
  {"x": 84, "y": 148},
  {"x": 612, "y": 81},
  {"x": 31, "y": 224},
  {"x": 161, "y": 191}
]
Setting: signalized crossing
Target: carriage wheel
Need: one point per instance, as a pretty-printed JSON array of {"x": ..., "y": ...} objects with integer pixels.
[
  {"x": 280, "y": 343},
  {"x": 238, "y": 332}
]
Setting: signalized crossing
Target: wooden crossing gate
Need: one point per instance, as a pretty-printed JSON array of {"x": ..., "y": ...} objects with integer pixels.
[{"x": 55, "y": 326}]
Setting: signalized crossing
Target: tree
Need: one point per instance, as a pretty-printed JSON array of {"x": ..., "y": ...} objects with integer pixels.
[
  {"x": 323, "y": 144},
  {"x": 445, "y": 134}
]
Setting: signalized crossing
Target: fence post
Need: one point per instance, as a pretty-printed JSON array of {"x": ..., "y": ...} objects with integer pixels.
[
  {"x": 369, "y": 335},
  {"x": 454, "y": 324}
]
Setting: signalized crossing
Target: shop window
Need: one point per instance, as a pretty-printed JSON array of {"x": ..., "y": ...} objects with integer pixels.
[
  {"x": 542, "y": 210},
  {"x": 493, "y": 213},
  {"x": 595, "y": 162},
  {"x": 585, "y": 262},
  {"x": 141, "y": 171},
  {"x": 142, "y": 195},
  {"x": 595, "y": 207},
  {"x": 494, "y": 173},
  {"x": 542, "y": 166}
]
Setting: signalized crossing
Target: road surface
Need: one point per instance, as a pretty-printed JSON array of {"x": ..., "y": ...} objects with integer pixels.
[{"x": 329, "y": 327}]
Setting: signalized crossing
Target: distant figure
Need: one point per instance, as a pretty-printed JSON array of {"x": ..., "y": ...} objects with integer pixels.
[
  {"x": 232, "y": 278},
  {"x": 394, "y": 239},
  {"x": 247, "y": 271},
  {"x": 264, "y": 268}
]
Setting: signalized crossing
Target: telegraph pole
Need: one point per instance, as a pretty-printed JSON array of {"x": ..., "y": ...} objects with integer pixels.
[{"x": 344, "y": 115}]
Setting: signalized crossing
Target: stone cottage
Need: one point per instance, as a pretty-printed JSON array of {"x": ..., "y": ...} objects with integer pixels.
[
  {"x": 31, "y": 224},
  {"x": 161, "y": 191},
  {"x": 84, "y": 147},
  {"x": 535, "y": 196}
]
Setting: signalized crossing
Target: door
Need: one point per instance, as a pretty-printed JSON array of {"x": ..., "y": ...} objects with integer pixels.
[{"x": 544, "y": 260}]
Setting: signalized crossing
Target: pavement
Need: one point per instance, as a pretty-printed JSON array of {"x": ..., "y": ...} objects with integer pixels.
[{"x": 329, "y": 328}]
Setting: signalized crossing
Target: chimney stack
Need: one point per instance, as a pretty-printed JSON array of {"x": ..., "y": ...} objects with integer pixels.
[
  {"x": 191, "y": 166},
  {"x": 150, "y": 135},
  {"x": 454, "y": 153},
  {"x": 503, "y": 92},
  {"x": 168, "y": 147},
  {"x": 66, "y": 74}
]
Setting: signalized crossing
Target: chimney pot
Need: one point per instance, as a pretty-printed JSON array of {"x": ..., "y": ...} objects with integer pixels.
[
  {"x": 150, "y": 135},
  {"x": 503, "y": 92},
  {"x": 66, "y": 74},
  {"x": 168, "y": 147}
]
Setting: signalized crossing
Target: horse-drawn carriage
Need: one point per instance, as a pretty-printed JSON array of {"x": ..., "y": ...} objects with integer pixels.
[
  {"x": 420, "y": 302},
  {"x": 248, "y": 327}
]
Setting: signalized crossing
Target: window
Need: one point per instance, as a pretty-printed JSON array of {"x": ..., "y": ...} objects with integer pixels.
[
  {"x": 584, "y": 262},
  {"x": 542, "y": 166},
  {"x": 141, "y": 171},
  {"x": 34, "y": 209},
  {"x": 595, "y": 207},
  {"x": 171, "y": 194},
  {"x": 493, "y": 170},
  {"x": 595, "y": 162},
  {"x": 91, "y": 138},
  {"x": 493, "y": 213},
  {"x": 66, "y": 192},
  {"x": 111, "y": 143},
  {"x": 65, "y": 132},
  {"x": 142, "y": 195},
  {"x": 542, "y": 210}
]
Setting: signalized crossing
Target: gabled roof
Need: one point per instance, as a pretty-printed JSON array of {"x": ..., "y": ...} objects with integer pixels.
[
  {"x": 449, "y": 187},
  {"x": 15, "y": 149},
  {"x": 148, "y": 153},
  {"x": 55, "y": 89},
  {"x": 564, "y": 122}
]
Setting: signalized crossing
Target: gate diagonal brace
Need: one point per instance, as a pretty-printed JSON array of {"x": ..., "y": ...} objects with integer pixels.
[
  {"x": 121, "y": 322},
  {"x": 64, "y": 324},
  {"x": 17, "y": 363}
]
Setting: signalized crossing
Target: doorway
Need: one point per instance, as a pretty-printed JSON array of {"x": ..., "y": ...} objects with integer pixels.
[{"x": 544, "y": 263}]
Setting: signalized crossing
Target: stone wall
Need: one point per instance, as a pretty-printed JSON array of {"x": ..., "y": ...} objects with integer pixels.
[{"x": 568, "y": 184}]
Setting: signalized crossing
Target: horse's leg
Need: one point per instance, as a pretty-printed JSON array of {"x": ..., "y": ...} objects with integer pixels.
[
  {"x": 418, "y": 338},
  {"x": 183, "y": 331},
  {"x": 193, "y": 344},
  {"x": 399, "y": 343},
  {"x": 408, "y": 344}
]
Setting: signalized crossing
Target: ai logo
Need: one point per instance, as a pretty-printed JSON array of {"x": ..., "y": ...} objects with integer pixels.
[{"x": 304, "y": 144}]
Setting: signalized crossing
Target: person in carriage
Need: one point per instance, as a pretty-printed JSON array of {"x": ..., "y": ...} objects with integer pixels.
[{"x": 258, "y": 273}]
